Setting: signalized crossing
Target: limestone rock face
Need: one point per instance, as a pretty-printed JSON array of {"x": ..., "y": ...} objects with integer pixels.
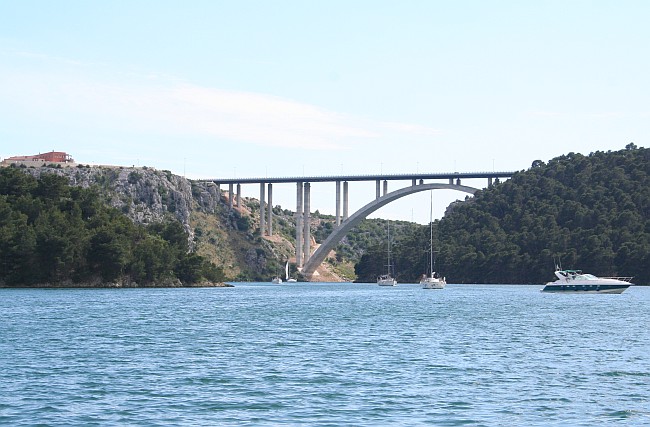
[{"x": 145, "y": 195}]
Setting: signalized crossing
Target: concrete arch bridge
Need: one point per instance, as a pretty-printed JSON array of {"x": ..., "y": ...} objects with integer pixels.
[{"x": 306, "y": 261}]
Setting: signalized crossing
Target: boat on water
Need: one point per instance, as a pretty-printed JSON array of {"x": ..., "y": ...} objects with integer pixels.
[
  {"x": 432, "y": 281},
  {"x": 387, "y": 279},
  {"x": 575, "y": 281},
  {"x": 276, "y": 280},
  {"x": 286, "y": 274}
]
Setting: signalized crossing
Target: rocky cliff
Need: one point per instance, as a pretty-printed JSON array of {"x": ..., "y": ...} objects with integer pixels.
[
  {"x": 230, "y": 238},
  {"x": 145, "y": 195},
  {"x": 227, "y": 237}
]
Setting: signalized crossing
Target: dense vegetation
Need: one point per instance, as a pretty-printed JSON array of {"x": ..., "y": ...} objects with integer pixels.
[
  {"x": 52, "y": 233},
  {"x": 590, "y": 212}
]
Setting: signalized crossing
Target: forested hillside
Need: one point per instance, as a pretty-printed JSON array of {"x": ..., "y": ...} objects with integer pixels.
[
  {"x": 148, "y": 199},
  {"x": 55, "y": 234},
  {"x": 590, "y": 212}
]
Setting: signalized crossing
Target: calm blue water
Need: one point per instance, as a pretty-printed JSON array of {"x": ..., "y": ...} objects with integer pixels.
[{"x": 324, "y": 354}]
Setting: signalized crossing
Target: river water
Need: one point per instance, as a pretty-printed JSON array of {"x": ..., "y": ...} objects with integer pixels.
[{"x": 324, "y": 355}]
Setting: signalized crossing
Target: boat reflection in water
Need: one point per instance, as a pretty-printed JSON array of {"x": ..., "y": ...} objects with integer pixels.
[{"x": 575, "y": 281}]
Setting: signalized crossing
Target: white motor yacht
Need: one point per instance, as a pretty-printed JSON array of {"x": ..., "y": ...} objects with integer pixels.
[{"x": 575, "y": 281}]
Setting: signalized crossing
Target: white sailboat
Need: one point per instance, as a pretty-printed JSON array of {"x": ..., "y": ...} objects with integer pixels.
[
  {"x": 387, "y": 279},
  {"x": 286, "y": 274},
  {"x": 432, "y": 281}
]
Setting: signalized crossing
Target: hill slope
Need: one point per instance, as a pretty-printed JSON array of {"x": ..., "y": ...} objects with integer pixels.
[
  {"x": 228, "y": 238},
  {"x": 590, "y": 212}
]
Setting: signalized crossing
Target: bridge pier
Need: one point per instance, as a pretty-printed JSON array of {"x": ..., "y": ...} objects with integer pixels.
[
  {"x": 306, "y": 248},
  {"x": 230, "y": 196},
  {"x": 378, "y": 190},
  {"x": 490, "y": 182},
  {"x": 269, "y": 205},
  {"x": 299, "y": 225},
  {"x": 239, "y": 195},
  {"x": 338, "y": 203},
  {"x": 345, "y": 200},
  {"x": 385, "y": 187},
  {"x": 262, "y": 206}
]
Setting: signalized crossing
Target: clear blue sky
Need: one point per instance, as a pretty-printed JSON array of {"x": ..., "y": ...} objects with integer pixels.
[{"x": 282, "y": 88}]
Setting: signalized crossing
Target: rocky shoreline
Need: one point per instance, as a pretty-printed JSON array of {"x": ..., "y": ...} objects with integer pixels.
[{"x": 117, "y": 285}]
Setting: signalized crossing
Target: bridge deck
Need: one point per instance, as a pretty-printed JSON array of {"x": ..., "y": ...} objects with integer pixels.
[{"x": 380, "y": 177}]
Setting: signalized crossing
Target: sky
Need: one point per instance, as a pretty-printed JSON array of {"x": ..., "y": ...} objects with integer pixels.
[{"x": 222, "y": 89}]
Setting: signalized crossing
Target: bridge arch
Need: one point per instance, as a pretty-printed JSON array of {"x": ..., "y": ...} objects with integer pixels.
[{"x": 333, "y": 239}]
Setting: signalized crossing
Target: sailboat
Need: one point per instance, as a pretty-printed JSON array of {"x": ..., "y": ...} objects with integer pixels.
[
  {"x": 286, "y": 274},
  {"x": 387, "y": 279},
  {"x": 432, "y": 281}
]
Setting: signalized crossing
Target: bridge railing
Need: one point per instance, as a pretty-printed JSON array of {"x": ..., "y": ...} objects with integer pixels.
[{"x": 363, "y": 177}]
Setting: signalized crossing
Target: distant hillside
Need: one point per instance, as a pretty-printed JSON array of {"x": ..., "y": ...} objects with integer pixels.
[
  {"x": 54, "y": 234},
  {"x": 148, "y": 197},
  {"x": 590, "y": 212},
  {"x": 228, "y": 238}
]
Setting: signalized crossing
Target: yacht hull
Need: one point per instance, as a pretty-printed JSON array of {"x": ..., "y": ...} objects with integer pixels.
[
  {"x": 432, "y": 284},
  {"x": 387, "y": 282},
  {"x": 586, "y": 289}
]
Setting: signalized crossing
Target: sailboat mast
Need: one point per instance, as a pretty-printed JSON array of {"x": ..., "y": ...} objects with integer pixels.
[
  {"x": 388, "y": 267},
  {"x": 431, "y": 233}
]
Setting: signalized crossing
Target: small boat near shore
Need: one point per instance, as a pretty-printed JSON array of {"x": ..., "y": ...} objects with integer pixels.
[
  {"x": 387, "y": 279},
  {"x": 287, "y": 278},
  {"x": 575, "y": 281},
  {"x": 432, "y": 281}
]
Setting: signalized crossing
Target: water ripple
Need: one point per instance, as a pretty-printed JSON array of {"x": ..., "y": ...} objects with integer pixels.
[{"x": 324, "y": 354}]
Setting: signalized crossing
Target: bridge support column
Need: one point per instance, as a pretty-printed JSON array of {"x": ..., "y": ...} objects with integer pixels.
[
  {"x": 421, "y": 181},
  {"x": 306, "y": 248},
  {"x": 385, "y": 187},
  {"x": 451, "y": 181},
  {"x": 238, "y": 195},
  {"x": 262, "y": 206},
  {"x": 345, "y": 201},
  {"x": 378, "y": 191},
  {"x": 230, "y": 196},
  {"x": 299, "y": 224},
  {"x": 490, "y": 182},
  {"x": 413, "y": 182},
  {"x": 269, "y": 204},
  {"x": 338, "y": 203}
]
